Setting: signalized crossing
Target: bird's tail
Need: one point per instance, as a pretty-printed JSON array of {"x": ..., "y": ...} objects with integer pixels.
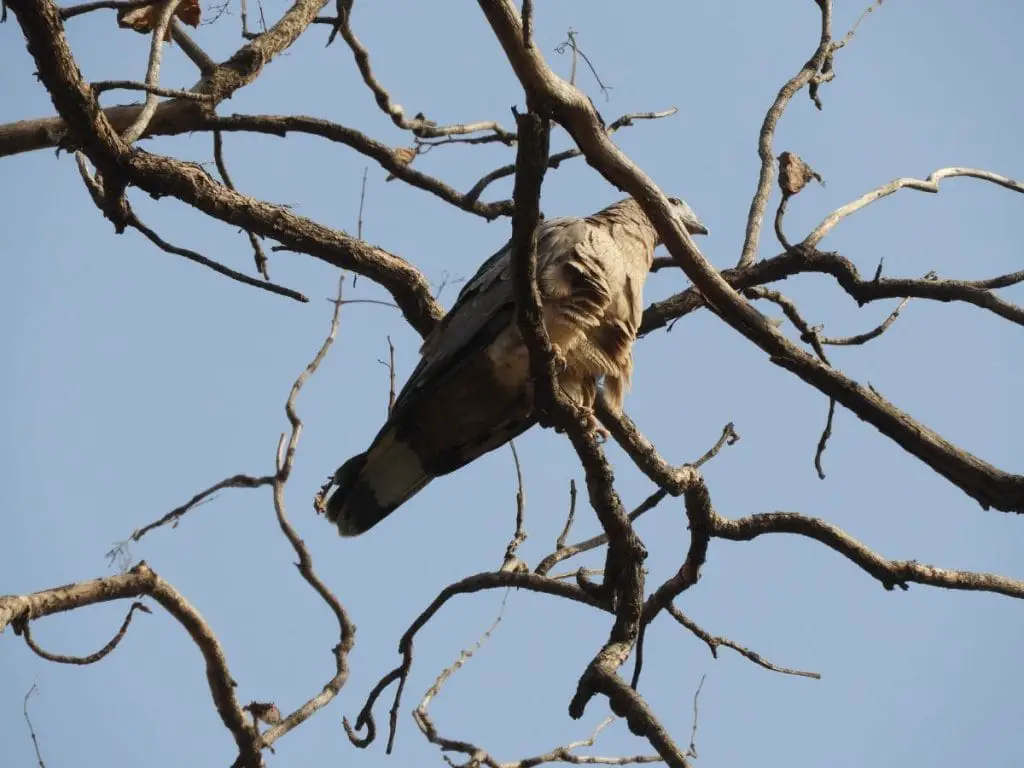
[{"x": 371, "y": 485}]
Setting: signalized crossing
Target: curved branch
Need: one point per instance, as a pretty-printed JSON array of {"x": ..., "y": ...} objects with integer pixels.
[
  {"x": 58, "y": 658},
  {"x": 931, "y": 184},
  {"x": 755, "y": 217},
  {"x": 800, "y": 261},
  {"x": 891, "y": 573},
  {"x": 419, "y": 125},
  {"x": 138, "y": 582},
  {"x": 467, "y": 586}
]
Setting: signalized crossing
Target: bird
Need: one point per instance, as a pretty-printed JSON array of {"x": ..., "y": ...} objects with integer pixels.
[{"x": 472, "y": 391}]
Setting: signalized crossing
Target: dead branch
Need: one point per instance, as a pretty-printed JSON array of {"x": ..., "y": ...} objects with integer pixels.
[
  {"x": 419, "y": 125},
  {"x": 561, "y": 553},
  {"x": 799, "y": 261},
  {"x": 156, "y": 49},
  {"x": 31, "y": 730},
  {"x": 222, "y": 168},
  {"x": 755, "y": 218},
  {"x": 553, "y": 161},
  {"x": 220, "y": 81},
  {"x": 931, "y": 184},
  {"x": 511, "y": 562},
  {"x": 346, "y": 629},
  {"x": 560, "y": 541},
  {"x": 141, "y": 581},
  {"x": 281, "y": 125},
  {"x": 24, "y": 630},
  {"x": 891, "y": 573},
  {"x": 467, "y": 586},
  {"x": 699, "y": 515},
  {"x": 127, "y": 216},
  {"x": 809, "y": 335},
  {"x": 101, "y": 86},
  {"x": 863, "y": 338},
  {"x": 571, "y": 44},
  {"x": 174, "y": 516},
  {"x": 714, "y": 642}
]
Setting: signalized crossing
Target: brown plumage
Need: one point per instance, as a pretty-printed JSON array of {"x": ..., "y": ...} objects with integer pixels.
[{"x": 471, "y": 391}]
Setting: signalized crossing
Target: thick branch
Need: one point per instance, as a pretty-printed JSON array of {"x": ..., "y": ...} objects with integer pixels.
[{"x": 192, "y": 185}]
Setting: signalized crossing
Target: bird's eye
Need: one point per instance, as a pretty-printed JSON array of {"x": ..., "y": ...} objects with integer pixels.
[{"x": 675, "y": 201}]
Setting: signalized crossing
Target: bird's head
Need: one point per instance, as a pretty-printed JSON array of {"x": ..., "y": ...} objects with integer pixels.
[{"x": 693, "y": 224}]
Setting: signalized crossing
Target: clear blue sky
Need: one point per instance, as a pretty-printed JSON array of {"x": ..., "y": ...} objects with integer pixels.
[{"x": 134, "y": 379}]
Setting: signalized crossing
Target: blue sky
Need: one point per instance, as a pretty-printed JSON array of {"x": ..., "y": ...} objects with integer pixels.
[{"x": 135, "y": 379}]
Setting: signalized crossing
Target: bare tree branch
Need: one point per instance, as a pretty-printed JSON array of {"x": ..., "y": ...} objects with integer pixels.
[
  {"x": 31, "y": 730},
  {"x": 713, "y": 644},
  {"x": 23, "y": 629},
  {"x": 891, "y": 573},
  {"x": 138, "y": 582},
  {"x": 931, "y": 184},
  {"x": 758, "y": 205},
  {"x": 138, "y": 127},
  {"x": 222, "y": 168}
]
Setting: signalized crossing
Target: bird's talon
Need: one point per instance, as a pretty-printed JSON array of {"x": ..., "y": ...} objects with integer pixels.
[{"x": 560, "y": 363}]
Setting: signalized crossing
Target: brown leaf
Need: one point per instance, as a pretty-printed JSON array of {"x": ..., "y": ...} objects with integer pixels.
[
  {"x": 143, "y": 19},
  {"x": 794, "y": 174}
]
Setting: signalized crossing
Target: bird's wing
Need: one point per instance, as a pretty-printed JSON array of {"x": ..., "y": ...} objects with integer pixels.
[
  {"x": 485, "y": 307},
  {"x": 467, "y": 396}
]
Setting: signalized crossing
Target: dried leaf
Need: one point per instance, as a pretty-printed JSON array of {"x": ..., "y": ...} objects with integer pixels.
[
  {"x": 794, "y": 174},
  {"x": 144, "y": 19}
]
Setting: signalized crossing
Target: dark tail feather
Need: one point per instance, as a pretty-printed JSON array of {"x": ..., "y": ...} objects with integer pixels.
[{"x": 370, "y": 486}]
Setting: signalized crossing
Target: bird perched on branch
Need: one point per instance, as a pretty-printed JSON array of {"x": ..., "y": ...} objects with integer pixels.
[{"x": 472, "y": 391}]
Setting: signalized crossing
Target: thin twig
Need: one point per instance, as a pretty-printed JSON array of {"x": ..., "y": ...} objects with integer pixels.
[
  {"x": 172, "y": 517},
  {"x": 692, "y": 751},
  {"x": 133, "y": 221},
  {"x": 826, "y": 433},
  {"x": 713, "y": 642},
  {"x": 285, "y": 461},
  {"x": 511, "y": 562},
  {"x": 100, "y": 86},
  {"x": 218, "y": 155},
  {"x": 874, "y": 333},
  {"x": 362, "y": 200},
  {"x": 560, "y": 542},
  {"x": 31, "y": 730},
  {"x": 571, "y": 43},
  {"x": 559, "y": 157},
  {"x": 729, "y": 437},
  {"x": 92, "y": 658},
  {"x": 419, "y": 125},
  {"x": 390, "y": 365}
]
